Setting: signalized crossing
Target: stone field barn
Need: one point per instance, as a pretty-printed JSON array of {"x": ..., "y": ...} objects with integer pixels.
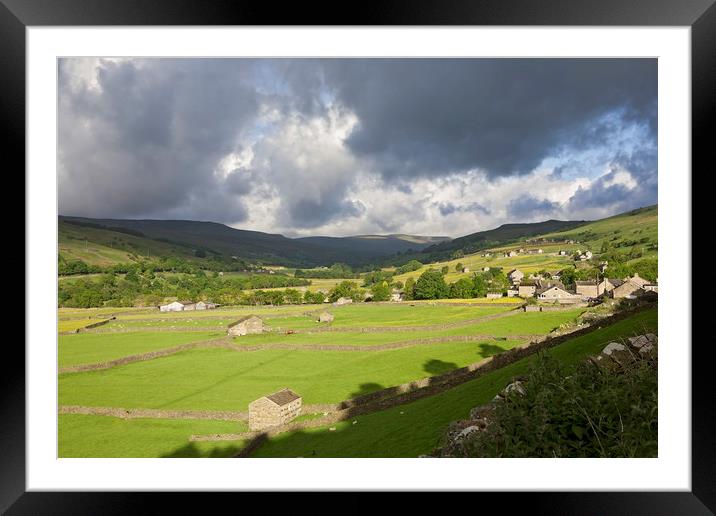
[
  {"x": 274, "y": 410},
  {"x": 247, "y": 325}
]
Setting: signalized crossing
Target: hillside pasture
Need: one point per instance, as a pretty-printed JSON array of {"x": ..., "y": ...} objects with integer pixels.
[{"x": 415, "y": 428}]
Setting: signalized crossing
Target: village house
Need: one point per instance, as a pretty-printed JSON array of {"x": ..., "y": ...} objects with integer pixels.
[
  {"x": 274, "y": 410},
  {"x": 558, "y": 294},
  {"x": 342, "y": 301},
  {"x": 638, "y": 280},
  {"x": 611, "y": 283},
  {"x": 589, "y": 289},
  {"x": 526, "y": 290},
  {"x": 515, "y": 276},
  {"x": 626, "y": 289},
  {"x": 521, "y": 250},
  {"x": 466, "y": 269},
  {"x": 397, "y": 296},
  {"x": 205, "y": 305},
  {"x": 247, "y": 325},
  {"x": 510, "y": 254},
  {"x": 325, "y": 317}
]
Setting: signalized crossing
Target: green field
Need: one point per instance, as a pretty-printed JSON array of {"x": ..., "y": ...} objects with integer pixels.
[
  {"x": 101, "y": 436},
  {"x": 221, "y": 379},
  {"x": 641, "y": 224},
  {"x": 413, "y": 429},
  {"x": 89, "y": 348}
]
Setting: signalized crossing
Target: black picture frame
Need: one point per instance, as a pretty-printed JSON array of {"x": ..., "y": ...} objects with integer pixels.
[{"x": 700, "y": 15}]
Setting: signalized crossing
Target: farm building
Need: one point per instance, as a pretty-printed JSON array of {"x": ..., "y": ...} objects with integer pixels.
[
  {"x": 512, "y": 292},
  {"x": 466, "y": 269},
  {"x": 589, "y": 289},
  {"x": 342, "y": 301},
  {"x": 274, "y": 410},
  {"x": 510, "y": 254},
  {"x": 485, "y": 269},
  {"x": 515, "y": 276},
  {"x": 178, "y": 306},
  {"x": 325, "y": 317},
  {"x": 397, "y": 296},
  {"x": 562, "y": 253},
  {"x": 494, "y": 295},
  {"x": 247, "y": 325},
  {"x": 205, "y": 305},
  {"x": 174, "y": 306}
]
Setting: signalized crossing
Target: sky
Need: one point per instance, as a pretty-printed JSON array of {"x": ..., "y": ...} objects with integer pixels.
[{"x": 338, "y": 147}]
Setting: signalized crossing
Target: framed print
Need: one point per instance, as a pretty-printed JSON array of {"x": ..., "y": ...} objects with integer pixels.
[{"x": 415, "y": 250}]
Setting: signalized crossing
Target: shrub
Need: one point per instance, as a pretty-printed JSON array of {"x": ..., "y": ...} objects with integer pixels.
[{"x": 588, "y": 413}]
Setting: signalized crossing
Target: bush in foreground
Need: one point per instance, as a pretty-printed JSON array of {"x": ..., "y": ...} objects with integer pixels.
[{"x": 588, "y": 413}]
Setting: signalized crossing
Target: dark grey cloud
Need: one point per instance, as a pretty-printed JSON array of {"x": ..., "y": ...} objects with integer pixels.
[
  {"x": 528, "y": 208},
  {"x": 448, "y": 208},
  {"x": 433, "y": 117},
  {"x": 148, "y": 139}
]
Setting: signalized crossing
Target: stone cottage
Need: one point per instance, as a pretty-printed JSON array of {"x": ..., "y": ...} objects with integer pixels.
[
  {"x": 558, "y": 294},
  {"x": 247, "y": 325},
  {"x": 397, "y": 296},
  {"x": 626, "y": 289},
  {"x": 274, "y": 410},
  {"x": 342, "y": 301},
  {"x": 589, "y": 289},
  {"x": 515, "y": 276},
  {"x": 325, "y": 317},
  {"x": 526, "y": 290},
  {"x": 205, "y": 305}
]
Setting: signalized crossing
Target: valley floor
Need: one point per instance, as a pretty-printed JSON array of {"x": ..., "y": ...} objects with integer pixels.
[{"x": 191, "y": 379}]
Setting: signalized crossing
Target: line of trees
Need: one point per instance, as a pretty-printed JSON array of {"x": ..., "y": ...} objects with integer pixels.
[{"x": 146, "y": 288}]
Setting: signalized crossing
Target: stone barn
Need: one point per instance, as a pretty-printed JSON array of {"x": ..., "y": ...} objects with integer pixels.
[
  {"x": 274, "y": 410},
  {"x": 325, "y": 317},
  {"x": 205, "y": 305},
  {"x": 343, "y": 301},
  {"x": 246, "y": 326}
]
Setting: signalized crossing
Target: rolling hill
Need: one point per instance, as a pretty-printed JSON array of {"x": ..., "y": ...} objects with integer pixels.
[{"x": 107, "y": 241}]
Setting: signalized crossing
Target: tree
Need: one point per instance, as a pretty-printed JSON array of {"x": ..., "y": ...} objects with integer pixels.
[
  {"x": 431, "y": 285},
  {"x": 409, "y": 289},
  {"x": 380, "y": 291},
  {"x": 444, "y": 270},
  {"x": 458, "y": 254},
  {"x": 462, "y": 289},
  {"x": 345, "y": 289},
  {"x": 458, "y": 267},
  {"x": 479, "y": 285}
]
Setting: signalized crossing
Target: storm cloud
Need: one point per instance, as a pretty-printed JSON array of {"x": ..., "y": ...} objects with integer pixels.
[{"x": 346, "y": 146}]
